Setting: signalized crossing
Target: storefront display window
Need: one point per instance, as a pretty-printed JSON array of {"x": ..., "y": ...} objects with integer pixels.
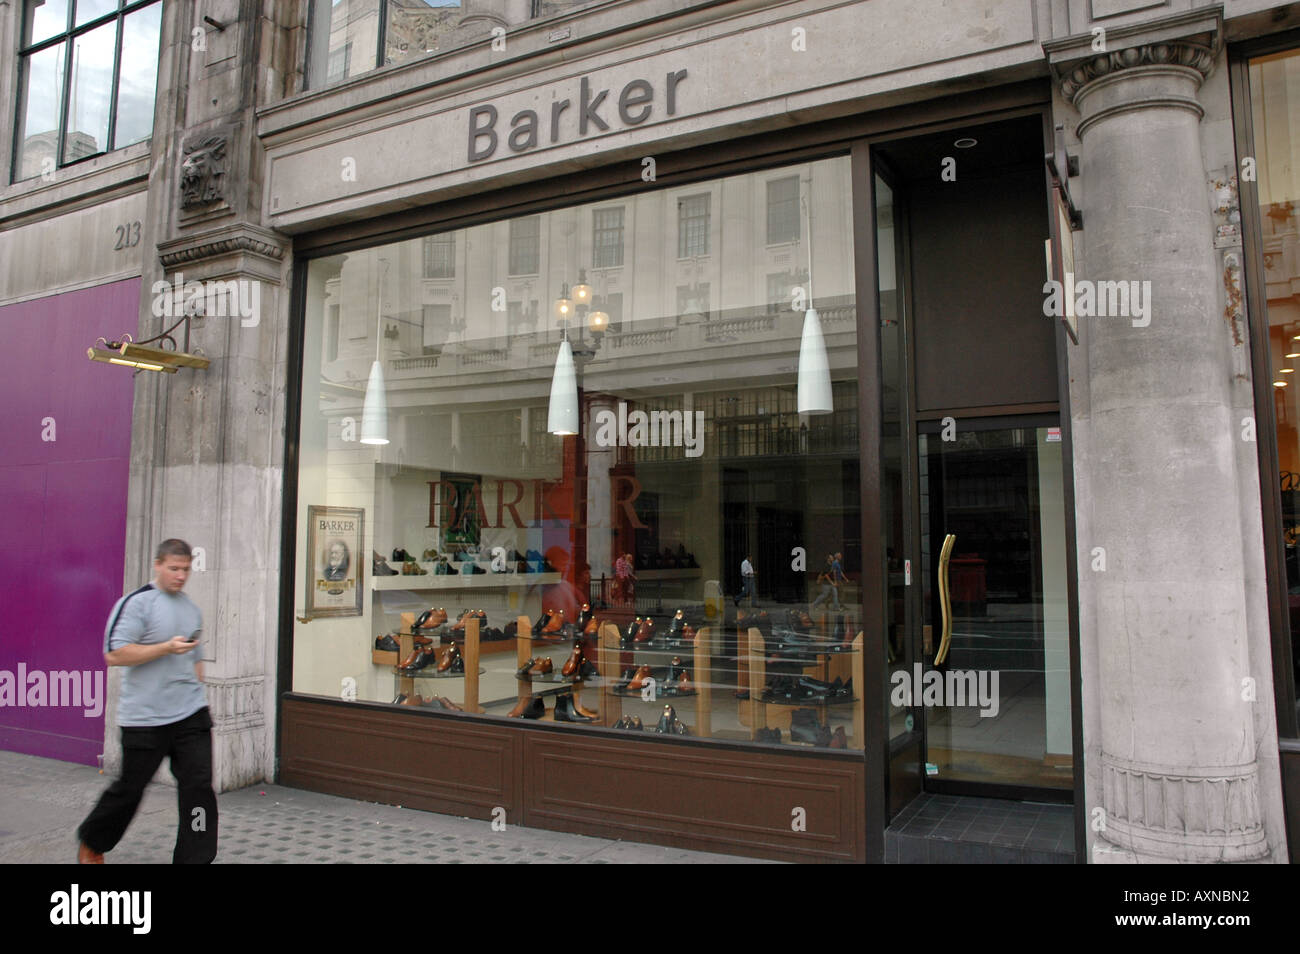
[
  {"x": 610, "y": 485},
  {"x": 1275, "y": 105}
]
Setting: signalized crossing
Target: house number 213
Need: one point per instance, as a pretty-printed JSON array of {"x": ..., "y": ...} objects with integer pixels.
[{"x": 128, "y": 236}]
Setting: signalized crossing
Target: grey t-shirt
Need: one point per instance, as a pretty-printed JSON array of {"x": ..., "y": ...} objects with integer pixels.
[{"x": 163, "y": 690}]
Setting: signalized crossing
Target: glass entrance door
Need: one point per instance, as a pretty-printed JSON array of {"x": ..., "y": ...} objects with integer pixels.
[{"x": 995, "y": 686}]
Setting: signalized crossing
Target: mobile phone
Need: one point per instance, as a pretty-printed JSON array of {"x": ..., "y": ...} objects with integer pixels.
[{"x": 194, "y": 636}]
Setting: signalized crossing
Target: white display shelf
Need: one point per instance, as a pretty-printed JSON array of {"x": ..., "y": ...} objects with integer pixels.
[{"x": 478, "y": 581}]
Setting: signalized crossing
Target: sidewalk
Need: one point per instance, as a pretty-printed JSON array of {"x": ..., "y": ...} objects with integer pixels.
[{"x": 42, "y": 801}]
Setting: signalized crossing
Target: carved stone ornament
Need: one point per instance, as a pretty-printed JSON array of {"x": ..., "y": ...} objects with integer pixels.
[
  {"x": 1191, "y": 55},
  {"x": 203, "y": 172}
]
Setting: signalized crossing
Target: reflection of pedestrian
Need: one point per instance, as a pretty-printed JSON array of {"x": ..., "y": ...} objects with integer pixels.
[
  {"x": 624, "y": 579},
  {"x": 162, "y": 711},
  {"x": 337, "y": 561},
  {"x": 830, "y": 585},
  {"x": 746, "y": 581}
]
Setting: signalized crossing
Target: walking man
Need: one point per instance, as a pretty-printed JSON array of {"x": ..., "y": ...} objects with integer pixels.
[
  {"x": 746, "y": 581},
  {"x": 162, "y": 712}
]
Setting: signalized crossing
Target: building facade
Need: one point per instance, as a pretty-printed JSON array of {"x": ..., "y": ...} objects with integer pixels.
[{"x": 727, "y": 424}]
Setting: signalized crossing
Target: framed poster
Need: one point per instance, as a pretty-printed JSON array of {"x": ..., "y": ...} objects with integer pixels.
[
  {"x": 1060, "y": 260},
  {"x": 465, "y": 525},
  {"x": 335, "y": 565}
]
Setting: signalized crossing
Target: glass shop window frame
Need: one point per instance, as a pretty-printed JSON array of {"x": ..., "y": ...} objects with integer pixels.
[
  {"x": 377, "y": 57},
  {"x": 613, "y": 200},
  {"x": 1268, "y": 455},
  {"x": 68, "y": 37}
]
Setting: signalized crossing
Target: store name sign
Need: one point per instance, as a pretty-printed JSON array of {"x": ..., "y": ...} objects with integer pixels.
[
  {"x": 462, "y": 508},
  {"x": 635, "y": 103}
]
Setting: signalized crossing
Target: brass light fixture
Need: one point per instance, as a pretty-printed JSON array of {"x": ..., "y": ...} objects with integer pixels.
[{"x": 143, "y": 357}]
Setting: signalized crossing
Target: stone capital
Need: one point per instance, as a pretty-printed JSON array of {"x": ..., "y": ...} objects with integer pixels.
[{"x": 1187, "y": 43}]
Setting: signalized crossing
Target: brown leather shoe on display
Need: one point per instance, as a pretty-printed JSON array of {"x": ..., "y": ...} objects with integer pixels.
[
  {"x": 574, "y": 661},
  {"x": 684, "y": 684},
  {"x": 413, "y": 700},
  {"x": 409, "y": 661},
  {"x": 638, "y": 680},
  {"x": 555, "y": 624},
  {"x": 445, "y": 703},
  {"x": 87, "y": 856},
  {"x": 582, "y": 710},
  {"x": 647, "y": 630},
  {"x": 688, "y": 632},
  {"x": 592, "y": 627},
  {"x": 541, "y": 666},
  {"x": 449, "y": 656}
]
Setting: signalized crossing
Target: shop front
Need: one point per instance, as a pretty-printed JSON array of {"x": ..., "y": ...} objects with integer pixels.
[{"x": 702, "y": 510}]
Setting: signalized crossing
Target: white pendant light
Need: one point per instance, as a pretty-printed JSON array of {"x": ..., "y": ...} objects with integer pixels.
[
  {"x": 374, "y": 413},
  {"x": 814, "y": 368},
  {"x": 814, "y": 395},
  {"x": 563, "y": 415}
]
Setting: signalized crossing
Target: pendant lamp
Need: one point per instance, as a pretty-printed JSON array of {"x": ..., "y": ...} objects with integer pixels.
[
  {"x": 814, "y": 394},
  {"x": 562, "y": 418},
  {"x": 814, "y": 368},
  {"x": 374, "y": 412}
]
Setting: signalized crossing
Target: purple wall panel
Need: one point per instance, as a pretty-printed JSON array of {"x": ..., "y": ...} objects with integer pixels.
[{"x": 62, "y": 503}]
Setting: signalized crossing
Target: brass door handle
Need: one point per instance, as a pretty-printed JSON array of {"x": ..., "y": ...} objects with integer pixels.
[{"x": 945, "y": 599}]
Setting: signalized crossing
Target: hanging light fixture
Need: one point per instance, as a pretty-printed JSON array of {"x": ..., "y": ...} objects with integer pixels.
[
  {"x": 374, "y": 412},
  {"x": 814, "y": 368},
  {"x": 814, "y": 391},
  {"x": 562, "y": 418}
]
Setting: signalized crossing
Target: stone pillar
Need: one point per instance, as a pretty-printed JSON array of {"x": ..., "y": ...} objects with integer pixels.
[
  {"x": 1165, "y": 610},
  {"x": 207, "y": 446}
]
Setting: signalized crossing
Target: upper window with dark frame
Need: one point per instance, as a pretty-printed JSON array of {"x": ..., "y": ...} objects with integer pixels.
[
  {"x": 440, "y": 256},
  {"x": 88, "y": 72},
  {"x": 351, "y": 37},
  {"x": 525, "y": 245},
  {"x": 607, "y": 237},
  {"x": 693, "y": 226},
  {"x": 783, "y": 210}
]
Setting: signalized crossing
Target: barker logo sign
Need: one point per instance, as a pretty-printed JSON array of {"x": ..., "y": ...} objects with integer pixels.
[{"x": 635, "y": 103}]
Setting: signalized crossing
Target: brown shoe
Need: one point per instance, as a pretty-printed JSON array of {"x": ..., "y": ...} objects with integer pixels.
[
  {"x": 688, "y": 632},
  {"x": 555, "y": 624},
  {"x": 444, "y": 703},
  {"x": 410, "y": 660},
  {"x": 646, "y": 632},
  {"x": 839, "y": 740},
  {"x": 684, "y": 684},
  {"x": 582, "y": 710},
  {"x": 574, "y": 661},
  {"x": 413, "y": 700},
  {"x": 541, "y": 666},
  {"x": 449, "y": 656},
  {"x": 638, "y": 680},
  {"x": 88, "y": 856},
  {"x": 592, "y": 627}
]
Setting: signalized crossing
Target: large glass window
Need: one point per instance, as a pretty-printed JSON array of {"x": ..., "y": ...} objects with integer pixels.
[
  {"x": 1275, "y": 108},
  {"x": 88, "y": 73},
  {"x": 351, "y": 37},
  {"x": 638, "y": 517}
]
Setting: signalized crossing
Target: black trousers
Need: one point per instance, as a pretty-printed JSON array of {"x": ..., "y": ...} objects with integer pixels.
[{"x": 188, "y": 744}]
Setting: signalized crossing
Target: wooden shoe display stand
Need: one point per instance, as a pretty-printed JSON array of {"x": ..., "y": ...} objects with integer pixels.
[
  {"x": 525, "y": 650},
  {"x": 614, "y": 659},
  {"x": 470, "y": 652},
  {"x": 757, "y": 714}
]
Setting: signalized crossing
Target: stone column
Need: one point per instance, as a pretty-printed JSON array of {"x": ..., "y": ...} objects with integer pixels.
[
  {"x": 1166, "y": 595},
  {"x": 207, "y": 446}
]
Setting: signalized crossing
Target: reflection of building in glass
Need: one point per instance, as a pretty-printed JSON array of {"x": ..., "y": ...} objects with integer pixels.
[{"x": 41, "y": 151}]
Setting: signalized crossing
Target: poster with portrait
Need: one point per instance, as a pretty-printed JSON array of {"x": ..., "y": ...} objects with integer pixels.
[{"x": 335, "y": 561}]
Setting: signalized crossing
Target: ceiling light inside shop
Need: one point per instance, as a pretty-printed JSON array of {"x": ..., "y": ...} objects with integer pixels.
[
  {"x": 1294, "y": 354},
  {"x": 1288, "y": 370},
  {"x": 966, "y": 142},
  {"x": 1279, "y": 384},
  {"x": 562, "y": 417}
]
